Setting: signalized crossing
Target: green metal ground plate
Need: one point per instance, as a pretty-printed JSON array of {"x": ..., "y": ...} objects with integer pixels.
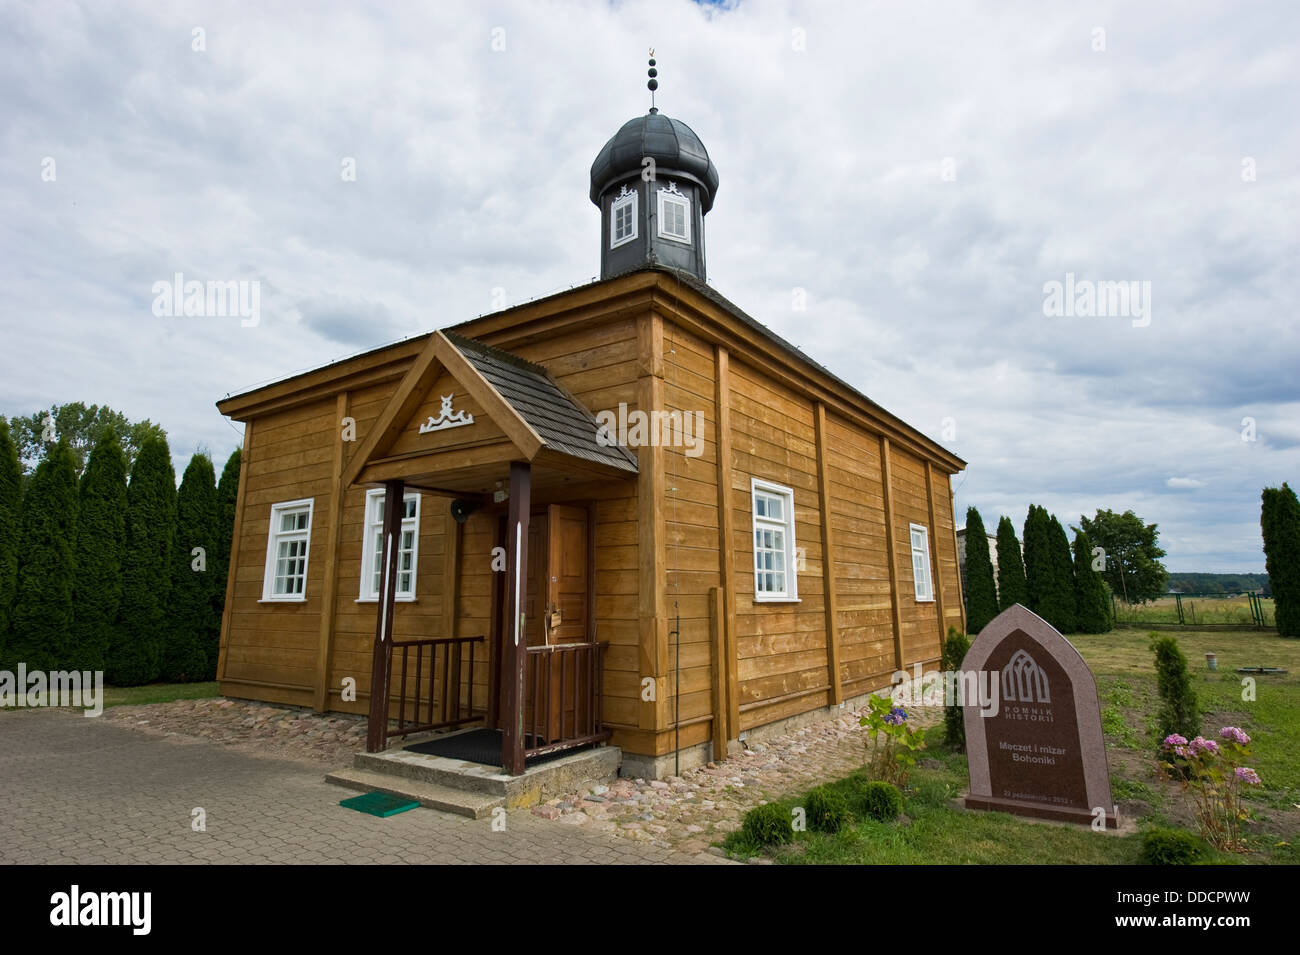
[{"x": 379, "y": 804}]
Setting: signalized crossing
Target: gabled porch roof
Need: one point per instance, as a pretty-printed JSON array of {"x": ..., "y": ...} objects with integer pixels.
[{"x": 530, "y": 418}]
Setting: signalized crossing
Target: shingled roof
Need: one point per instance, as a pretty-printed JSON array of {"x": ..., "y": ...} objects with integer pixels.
[{"x": 556, "y": 416}]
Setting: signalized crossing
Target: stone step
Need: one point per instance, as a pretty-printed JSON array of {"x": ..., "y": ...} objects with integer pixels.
[
  {"x": 435, "y": 770},
  {"x": 433, "y": 796},
  {"x": 538, "y": 783}
]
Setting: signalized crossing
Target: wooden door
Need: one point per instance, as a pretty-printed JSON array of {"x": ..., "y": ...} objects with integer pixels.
[
  {"x": 556, "y": 611},
  {"x": 566, "y": 589},
  {"x": 566, "y": 615}
]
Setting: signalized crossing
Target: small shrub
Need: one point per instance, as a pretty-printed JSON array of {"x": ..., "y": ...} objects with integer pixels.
[
  {"x": 955, "y": 648},
  {"x": 768, "y": 825},
  {"x": 1171, "y": 847},
  {"x": 828, "y": 810},
  {"x": 879, "y": 800},
  {"x": 1179, "y": 713}
]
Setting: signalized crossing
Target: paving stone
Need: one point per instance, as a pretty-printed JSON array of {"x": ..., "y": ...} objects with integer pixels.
[{"x": 101, "y": 791}]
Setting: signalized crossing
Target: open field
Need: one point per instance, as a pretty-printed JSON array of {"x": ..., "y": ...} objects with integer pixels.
[{"x": 1196, "y": 611}]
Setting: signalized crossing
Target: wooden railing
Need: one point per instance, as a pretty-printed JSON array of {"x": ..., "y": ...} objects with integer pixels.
[
  {"x": 449, "y": 700},
  {"x": 563, "y": 685}
]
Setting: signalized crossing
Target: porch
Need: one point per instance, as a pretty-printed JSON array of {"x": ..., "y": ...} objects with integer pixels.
[{"x": 532, "y": 685}]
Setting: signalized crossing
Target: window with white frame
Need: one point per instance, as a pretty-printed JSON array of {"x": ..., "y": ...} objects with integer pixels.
[
  {"x": 286, "y": 551},
  {"x": 674, "y": 214},
  {"x": 774, "y": 565},
  {"x": 921, "y": 562},
  {"x": 622, "y": 218},
  {"x": 372, "y": 557}
]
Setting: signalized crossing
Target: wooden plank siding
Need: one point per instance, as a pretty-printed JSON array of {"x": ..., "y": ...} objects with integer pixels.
[
  {"x": 909, "y": 497},
  {"x": 781, "y": 648},
  {"x": 861, "y": 559},
  {"x": 690, "y": 526}
]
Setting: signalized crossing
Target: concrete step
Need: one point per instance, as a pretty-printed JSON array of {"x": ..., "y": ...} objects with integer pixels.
[
  {"x": 444, "y": 798},
  {"x": 538, "y": 783},
  {"x": 435, "y": 770}
]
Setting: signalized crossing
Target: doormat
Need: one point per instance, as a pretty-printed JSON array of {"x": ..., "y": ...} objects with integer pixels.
[
  {"x": 379, "y": 804},
  {"x": 482, "y": 746}
]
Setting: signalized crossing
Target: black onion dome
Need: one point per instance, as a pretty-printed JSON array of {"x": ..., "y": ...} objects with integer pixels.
[{"x": 671, "y": 143}]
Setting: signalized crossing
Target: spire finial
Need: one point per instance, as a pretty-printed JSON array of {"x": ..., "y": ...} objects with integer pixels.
[{"x": 653, "y": 84}]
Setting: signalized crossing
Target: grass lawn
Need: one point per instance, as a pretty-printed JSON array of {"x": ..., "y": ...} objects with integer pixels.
[
  {"x": 158, "y": 693},
  {"x": 935, "y": 829},
  {"x": 152, "y": 693}
]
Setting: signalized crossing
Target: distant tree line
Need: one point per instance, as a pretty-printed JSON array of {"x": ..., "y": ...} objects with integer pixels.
[
  {"x": 1218, "y": 583},
  {"x": 104, "y": 563}
]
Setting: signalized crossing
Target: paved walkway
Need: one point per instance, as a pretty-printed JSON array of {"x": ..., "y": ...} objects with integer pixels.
[{"x": 83, "y": 791}]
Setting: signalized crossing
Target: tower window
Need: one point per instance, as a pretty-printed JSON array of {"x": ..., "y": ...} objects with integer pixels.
[
  {"x": 622, "y": 218},
  {"x": 674, "y": 214}
]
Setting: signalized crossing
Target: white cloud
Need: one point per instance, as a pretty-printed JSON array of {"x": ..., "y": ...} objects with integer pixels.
[{"x": 472, "y": 176}]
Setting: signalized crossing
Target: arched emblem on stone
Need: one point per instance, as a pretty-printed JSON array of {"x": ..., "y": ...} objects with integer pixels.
[
  {"x": 446, "y": 417},
  {"x": 1024, "y": 681}
]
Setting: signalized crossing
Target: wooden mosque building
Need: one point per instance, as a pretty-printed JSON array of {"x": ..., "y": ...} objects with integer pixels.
[{"x": 625, "y": 513}]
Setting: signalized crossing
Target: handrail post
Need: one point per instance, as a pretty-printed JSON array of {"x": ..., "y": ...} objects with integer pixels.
[
  {"x": 381, "y": 660},
  {"x": 512, "y": 742}
]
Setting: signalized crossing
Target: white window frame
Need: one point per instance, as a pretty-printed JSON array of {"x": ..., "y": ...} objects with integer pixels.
[
  {"x": 926, "y": 594},
  {"x": 669, "y": 194},
  {"x": 367, "y": 592},
  {"x": 786, "y": 525},
  {"x": 622, "y": 201},
  {"x": 274, "y": 537}
]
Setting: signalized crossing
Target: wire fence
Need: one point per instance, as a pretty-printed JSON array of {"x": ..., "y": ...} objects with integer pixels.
[{"x": 1211, "y": 610}]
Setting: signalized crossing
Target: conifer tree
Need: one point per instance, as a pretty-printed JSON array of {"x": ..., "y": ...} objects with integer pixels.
[
  {"x": 190, "y": 611},
  {"x": 1038, "y": 564},
  {"x": 47, "y": 566},
  {"x": 1092, "y": 599},
  {"x": 11, "y": 491},
  {"x": 1011, "y": 567},
  {"x": 135, "y": 653},
  {"x": 1064, "y": 614},
  {"x": 1280, "y": 525},
  {"x": 981, "y": 594},
  {"x": 101, "y": 539},
  {"x": 227, "y": 494}
]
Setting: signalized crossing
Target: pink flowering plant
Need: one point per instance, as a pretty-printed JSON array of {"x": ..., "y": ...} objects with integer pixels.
[
  {"x": 1213, "y": 775},
  {"x": 894, "y": 741}
]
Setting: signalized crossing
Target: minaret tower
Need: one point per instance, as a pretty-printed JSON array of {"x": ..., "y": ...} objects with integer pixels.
[{"x": 653, "y": 183}]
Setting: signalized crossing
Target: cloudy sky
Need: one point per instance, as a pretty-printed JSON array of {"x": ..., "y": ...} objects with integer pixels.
[{"x": 920, "y": 171}]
